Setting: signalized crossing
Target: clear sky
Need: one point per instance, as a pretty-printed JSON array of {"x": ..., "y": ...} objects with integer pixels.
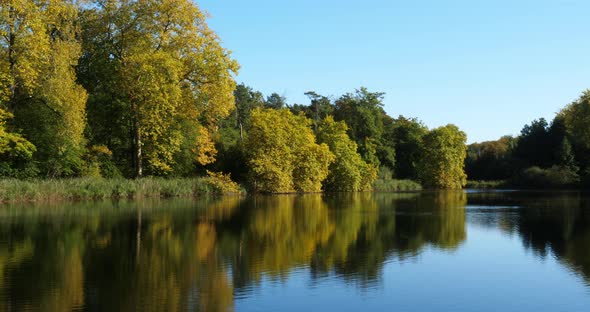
[{"x": 487, "y": 66}]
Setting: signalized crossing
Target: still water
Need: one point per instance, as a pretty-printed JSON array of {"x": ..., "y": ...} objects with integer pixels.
[{"x": 447, "y": 251}]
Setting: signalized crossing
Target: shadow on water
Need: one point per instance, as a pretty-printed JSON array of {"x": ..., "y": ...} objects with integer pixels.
[{"x": 182, "y": 254}]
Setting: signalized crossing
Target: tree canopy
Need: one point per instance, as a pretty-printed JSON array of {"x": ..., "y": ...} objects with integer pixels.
[
  {"x": 284, "y": 156},
  {"x": 442, "y": 162},
  {"x": 348, "y": 172}
]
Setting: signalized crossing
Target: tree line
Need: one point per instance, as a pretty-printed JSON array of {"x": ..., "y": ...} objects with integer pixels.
[
  {"x": 333, "y": 144},
  {"x": 115, "y": 88},
  {"x": 545, "y": 154}
]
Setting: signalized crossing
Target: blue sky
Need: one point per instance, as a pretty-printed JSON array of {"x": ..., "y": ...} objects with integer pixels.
[{"x": 487, "y": 66}]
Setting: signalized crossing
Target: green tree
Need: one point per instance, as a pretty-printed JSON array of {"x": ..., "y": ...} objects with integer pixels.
[
  {"x": 407, "y": 134},
  {"x": 566, "y": 156},
  {"x": 275, "y": 101},
  {"x": 491, "y": 160},
  {"x": 162, "y": 76},
  {"x": 319, "y": 108},
  {"x": 576, "y": 117},
  {"x": 283, "y": 154},
  {"x": 246, "y": 100},
  {"x": 39, "y": 48},
  {"x": 533, "y": 145},
  {"x": 348, "y": 172},
  {"x": 14, "y": 149},
  {"x": 443, "y": 156},
  {"x": 363, "y": 113}
]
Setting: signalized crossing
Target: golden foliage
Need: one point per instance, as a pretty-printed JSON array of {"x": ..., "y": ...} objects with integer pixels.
[
  {"x": 284, "y": 156},
  {"x": 443, "y": 160}
]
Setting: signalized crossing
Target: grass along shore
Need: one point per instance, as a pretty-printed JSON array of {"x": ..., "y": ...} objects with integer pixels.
[
  {"x": 491, "y": 184},
  {"x": 13, "y": 190},
  {"x": 74, "y": 189},
  {"x": 392, "y": 185}
]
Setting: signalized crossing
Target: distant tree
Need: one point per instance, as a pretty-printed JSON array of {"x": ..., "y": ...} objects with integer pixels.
[
  {"x": 275, "y": 101},
  {"x": 319, "y": 108},
  {"x": 534, "y": 145},
  {"x": 443, "y": 156},
  {"x": 246, "y": 100},
  {"x": 490, "y": 160},
  {"x": 348, "y": 172},
  {"x": 283, "y": 155}
]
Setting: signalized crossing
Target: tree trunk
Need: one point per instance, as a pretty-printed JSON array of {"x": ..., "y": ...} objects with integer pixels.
[
  {"x": 137, "y": 153},
  {"x": 241, "y": 133}
]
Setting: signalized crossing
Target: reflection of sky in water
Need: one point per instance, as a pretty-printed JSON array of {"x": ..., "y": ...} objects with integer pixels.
[{"x": 490, "y": 272}]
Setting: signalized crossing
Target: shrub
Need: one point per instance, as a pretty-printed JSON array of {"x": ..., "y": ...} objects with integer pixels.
[
  {"x": 222, "y": 183},
  {"x": 554, "y": 177},
  {"x": 381, "y": 185}
]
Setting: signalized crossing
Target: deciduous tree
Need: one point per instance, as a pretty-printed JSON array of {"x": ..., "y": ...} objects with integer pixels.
[
  {"x": 348, "y": 172},
  {"x": 164, "y": 73},
  {"x": 283, "y": 154},
  {"x": 443, "y": 156},
  {"x": 39, "y": 48}
]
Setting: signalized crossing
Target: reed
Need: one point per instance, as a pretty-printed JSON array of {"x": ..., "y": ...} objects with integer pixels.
[{"x": 14, "y": 190}]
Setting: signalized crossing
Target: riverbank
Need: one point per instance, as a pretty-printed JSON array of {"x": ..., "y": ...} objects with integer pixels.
[
  {"x": 13, "y": 190},
  {"x": 392, "y": 185},
  {"x": 497, "y": 184},
  {"x": 75, "y": 189}
]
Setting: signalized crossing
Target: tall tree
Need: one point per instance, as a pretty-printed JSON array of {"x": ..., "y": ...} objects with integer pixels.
[
  {"x": 533, "y": 145},
  {"x": 39, "y": 48},
  {"x": 443, "y": 157},
  {"x": 246, "y": 100},
  {"x": 319, "y": 108},
  {"x": 566, "y": 156},
  {"x": 164, "y": 72},
  {"x": 363, "y": 113},
  {"x": 407, "y": 134},
  {"x": 276, "y": 101},
  {"x": 576, "y": 117}
]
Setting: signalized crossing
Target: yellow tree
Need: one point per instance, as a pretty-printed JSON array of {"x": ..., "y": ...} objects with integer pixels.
[
  {"x": 349, "y": 172},
  {"x": 39, "y": 49},
  {"x": 283, "y": 154},
  {"x": 170, "y": 76},
  {"x": 443, "y": 158}
]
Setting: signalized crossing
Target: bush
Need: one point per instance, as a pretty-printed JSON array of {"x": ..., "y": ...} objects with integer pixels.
[
  {"x": 222, "y": 183},
  {"x": 554, "y": 177},
  {"x": 494, "y": 184},
  {"x": 382, "y": 185}
]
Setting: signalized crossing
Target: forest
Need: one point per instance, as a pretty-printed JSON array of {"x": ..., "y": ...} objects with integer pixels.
[
  {"x": 546, "y": 154},
  {"x": 130, "y": 89}
]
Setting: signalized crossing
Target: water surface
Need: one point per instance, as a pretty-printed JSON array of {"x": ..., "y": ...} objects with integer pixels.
[{"x": 446, "y": 251}]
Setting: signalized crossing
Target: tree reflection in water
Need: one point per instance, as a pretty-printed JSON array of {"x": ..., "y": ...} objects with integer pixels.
[{"x": 197, "y": 255}]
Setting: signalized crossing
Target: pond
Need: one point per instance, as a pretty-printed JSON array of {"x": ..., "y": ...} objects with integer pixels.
[{"x": 429, "y": 251}]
